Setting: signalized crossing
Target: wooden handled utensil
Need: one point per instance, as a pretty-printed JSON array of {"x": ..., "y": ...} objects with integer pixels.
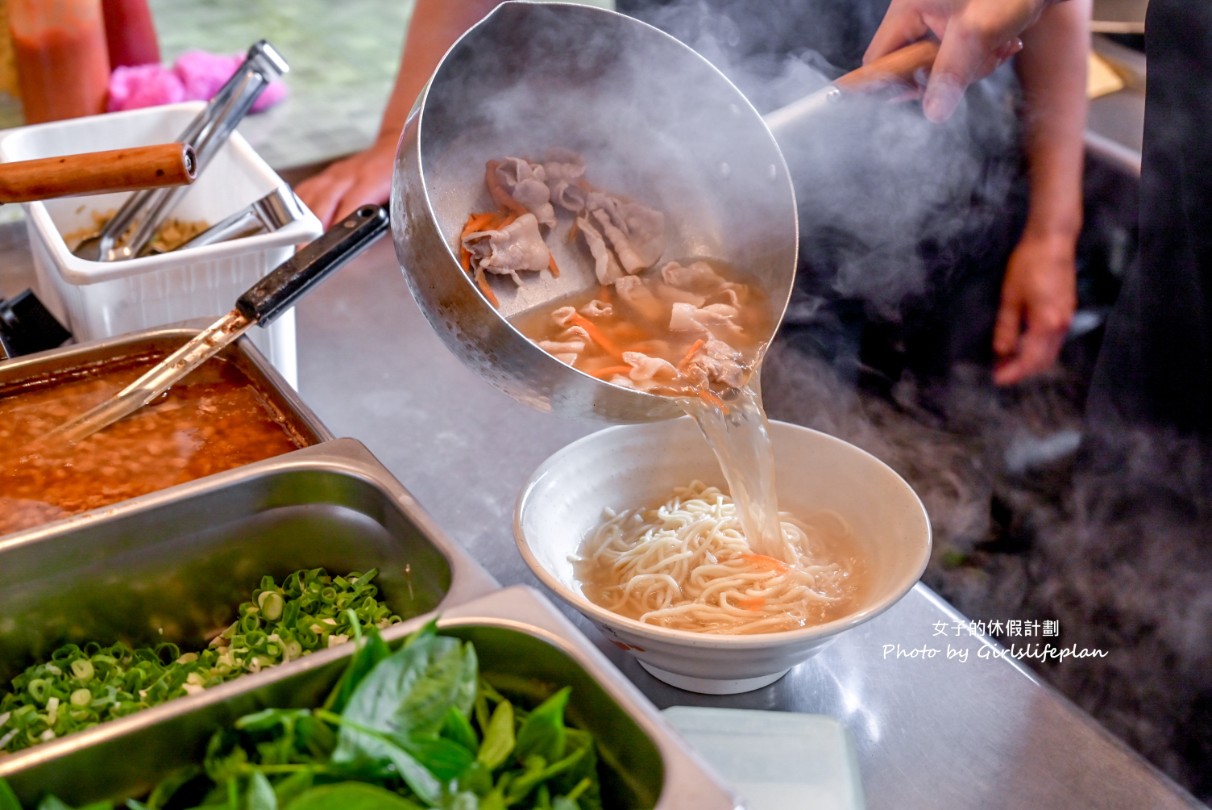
[{"x": 128, "y": 169}]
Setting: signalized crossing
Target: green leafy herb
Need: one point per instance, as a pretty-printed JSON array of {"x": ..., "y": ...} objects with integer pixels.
[
  {"x": 81, "y": 686},
  {"x": 413, "y": 729}
]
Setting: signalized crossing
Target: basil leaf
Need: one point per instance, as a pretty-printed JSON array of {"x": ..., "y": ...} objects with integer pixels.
[
  {"x": 499, "y": 739},
  {"x": 351, "y": 796},
  {"x": 411, "y": 691},
  {"x": 261, "y": 794},
  {"x": 445, "y": 759},
  {"x": 542, "y": 733},
  {"x": 493, "y": 801},
  {"x": 537, "y": 772},
  {"x": 476, "y": 779},
  {"x": 457, "y": 728},
  {"x": 368, "y": 753},
  {"x": 293, "y": 785},
  {"x": 8, "y": 799},
  {"x": 464, "y": 801},
  {"x": 371, "y": 650}
]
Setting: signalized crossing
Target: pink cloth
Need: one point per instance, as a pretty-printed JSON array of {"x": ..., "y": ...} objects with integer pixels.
[
  {"x": 195, "y": 76},
  {"x": 135, "y": 86}
]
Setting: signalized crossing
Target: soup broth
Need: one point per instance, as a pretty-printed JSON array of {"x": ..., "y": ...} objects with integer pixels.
[{"x": 686, "y": 564}]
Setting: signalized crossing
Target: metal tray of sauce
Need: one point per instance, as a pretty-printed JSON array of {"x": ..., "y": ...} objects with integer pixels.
[
  {"x": 526, "y": 648},
  {"x": 234, "y": 410}
]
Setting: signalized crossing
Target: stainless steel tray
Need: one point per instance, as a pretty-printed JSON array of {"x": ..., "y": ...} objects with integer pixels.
[
  {"x": 175, "y": 564},
  {"x": 524, "y": 645},
  {"x": 285, "y": 405},
  {"x": 80, "y": 358}
]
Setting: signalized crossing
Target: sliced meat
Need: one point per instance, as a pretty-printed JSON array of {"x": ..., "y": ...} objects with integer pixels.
[
  {"x": 715, "y": 320},
  {"x": 565, "y": 172},
  {"x": 716, "y": 363},
  {"x": 638, "y": 297},
  {"x": 645, "y": 368},
  {"x": 605, "y": 266},
  {"x": 597, "y": 309},
  {"x": 518, "y": 185},
  {"x": 517, "y": 247},
  {"x": 671, "y": 295},
  {"x": 635, "y": 232},
  {"x": 566, "y": 351}
]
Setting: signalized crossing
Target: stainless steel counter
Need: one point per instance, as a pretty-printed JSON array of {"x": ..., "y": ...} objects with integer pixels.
[
  {"x": 930, "y": 733},
  {"x": 967, "y": 731}
]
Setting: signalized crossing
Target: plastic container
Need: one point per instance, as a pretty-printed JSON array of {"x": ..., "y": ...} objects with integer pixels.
[
  {"x": 62, "y": 58},
  {"x": 130, "y": 33},
  {"x": 103, "y": 299}
]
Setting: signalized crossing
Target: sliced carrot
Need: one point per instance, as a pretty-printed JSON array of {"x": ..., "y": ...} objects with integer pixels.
[
  {"x": 552, "y": 266},
  {"x": 690, "y": 353},
  {"x": 711, "y": 399},
  {"x": 573, "y": 230},
  {"x": 610, "y": 371},
  {"x": 465, "y": 258},
  {"x": 482, "y": 283},
  {"x": 751, "y": 602},
  {"x": 596, "y": 334},
  {"x": 632, "y": 331},
  {"x": 477, "y": 222},
  {"x": 765, "y": 563}
]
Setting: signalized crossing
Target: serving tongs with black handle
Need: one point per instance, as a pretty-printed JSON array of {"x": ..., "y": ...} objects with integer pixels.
[
  {"x": 260, "y": 304},
  {"x": 143, "y": 213}
]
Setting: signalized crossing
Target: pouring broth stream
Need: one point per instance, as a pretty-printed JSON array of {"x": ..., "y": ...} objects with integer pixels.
[{"x": 691, "y": 329}]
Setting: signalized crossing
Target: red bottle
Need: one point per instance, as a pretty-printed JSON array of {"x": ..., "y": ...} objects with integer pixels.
[
  {"x": 130, "y": 33},
  {"x": 61, "y": 55}
]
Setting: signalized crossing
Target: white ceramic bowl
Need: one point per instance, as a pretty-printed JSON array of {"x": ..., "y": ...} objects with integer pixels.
[{"x": 639, "y": 465}]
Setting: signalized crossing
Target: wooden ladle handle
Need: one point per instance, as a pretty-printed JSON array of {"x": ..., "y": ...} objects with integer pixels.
[
  {"x": 130, "y": 169},
  {"x": 900, "y": 68}
]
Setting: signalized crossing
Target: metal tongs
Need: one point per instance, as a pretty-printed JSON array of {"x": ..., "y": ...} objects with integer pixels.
[
  {"x": 143, "y": 213},
  {"x": 259, "y": 304},
  {"x": 275, "y": 210}
]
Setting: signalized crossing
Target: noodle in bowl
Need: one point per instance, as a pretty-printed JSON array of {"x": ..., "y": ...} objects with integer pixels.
[{"x": 631, "y": 526}]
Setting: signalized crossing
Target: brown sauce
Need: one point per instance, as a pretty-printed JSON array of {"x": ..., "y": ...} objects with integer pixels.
[{"x": 215, "y": 419}]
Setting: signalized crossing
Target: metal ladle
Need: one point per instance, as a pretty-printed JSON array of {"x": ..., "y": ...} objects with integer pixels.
[{"x": 654, "y": 121}]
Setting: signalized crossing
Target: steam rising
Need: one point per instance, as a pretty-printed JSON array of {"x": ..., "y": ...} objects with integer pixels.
[
  {"x": 874, "y": 180},
  {"x": 1035, "y": 517},
  {"x": 1027, "y": 526}
]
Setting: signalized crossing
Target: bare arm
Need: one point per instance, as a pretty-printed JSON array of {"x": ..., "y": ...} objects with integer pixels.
[
  {"x": 1039, "y": 291},
  {"x": 365, "y": 177}
]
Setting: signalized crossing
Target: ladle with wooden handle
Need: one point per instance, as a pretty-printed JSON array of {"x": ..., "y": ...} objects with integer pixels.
[
  {"x": 902, "y": 69},
  {"x": 682, "y": 140},
  {"x": 130, "y": 169}
]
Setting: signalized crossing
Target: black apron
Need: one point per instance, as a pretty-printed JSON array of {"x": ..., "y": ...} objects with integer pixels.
[{"x": 1155, "y": 366}]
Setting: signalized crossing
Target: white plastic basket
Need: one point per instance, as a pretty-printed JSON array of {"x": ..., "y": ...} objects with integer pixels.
[{"x": 102, "y": 299}]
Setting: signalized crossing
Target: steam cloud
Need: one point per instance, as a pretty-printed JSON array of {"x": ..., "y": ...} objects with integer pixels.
[
  {"x": 1033, "y": 517},
  {"x": 1025, "y": 527}
]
